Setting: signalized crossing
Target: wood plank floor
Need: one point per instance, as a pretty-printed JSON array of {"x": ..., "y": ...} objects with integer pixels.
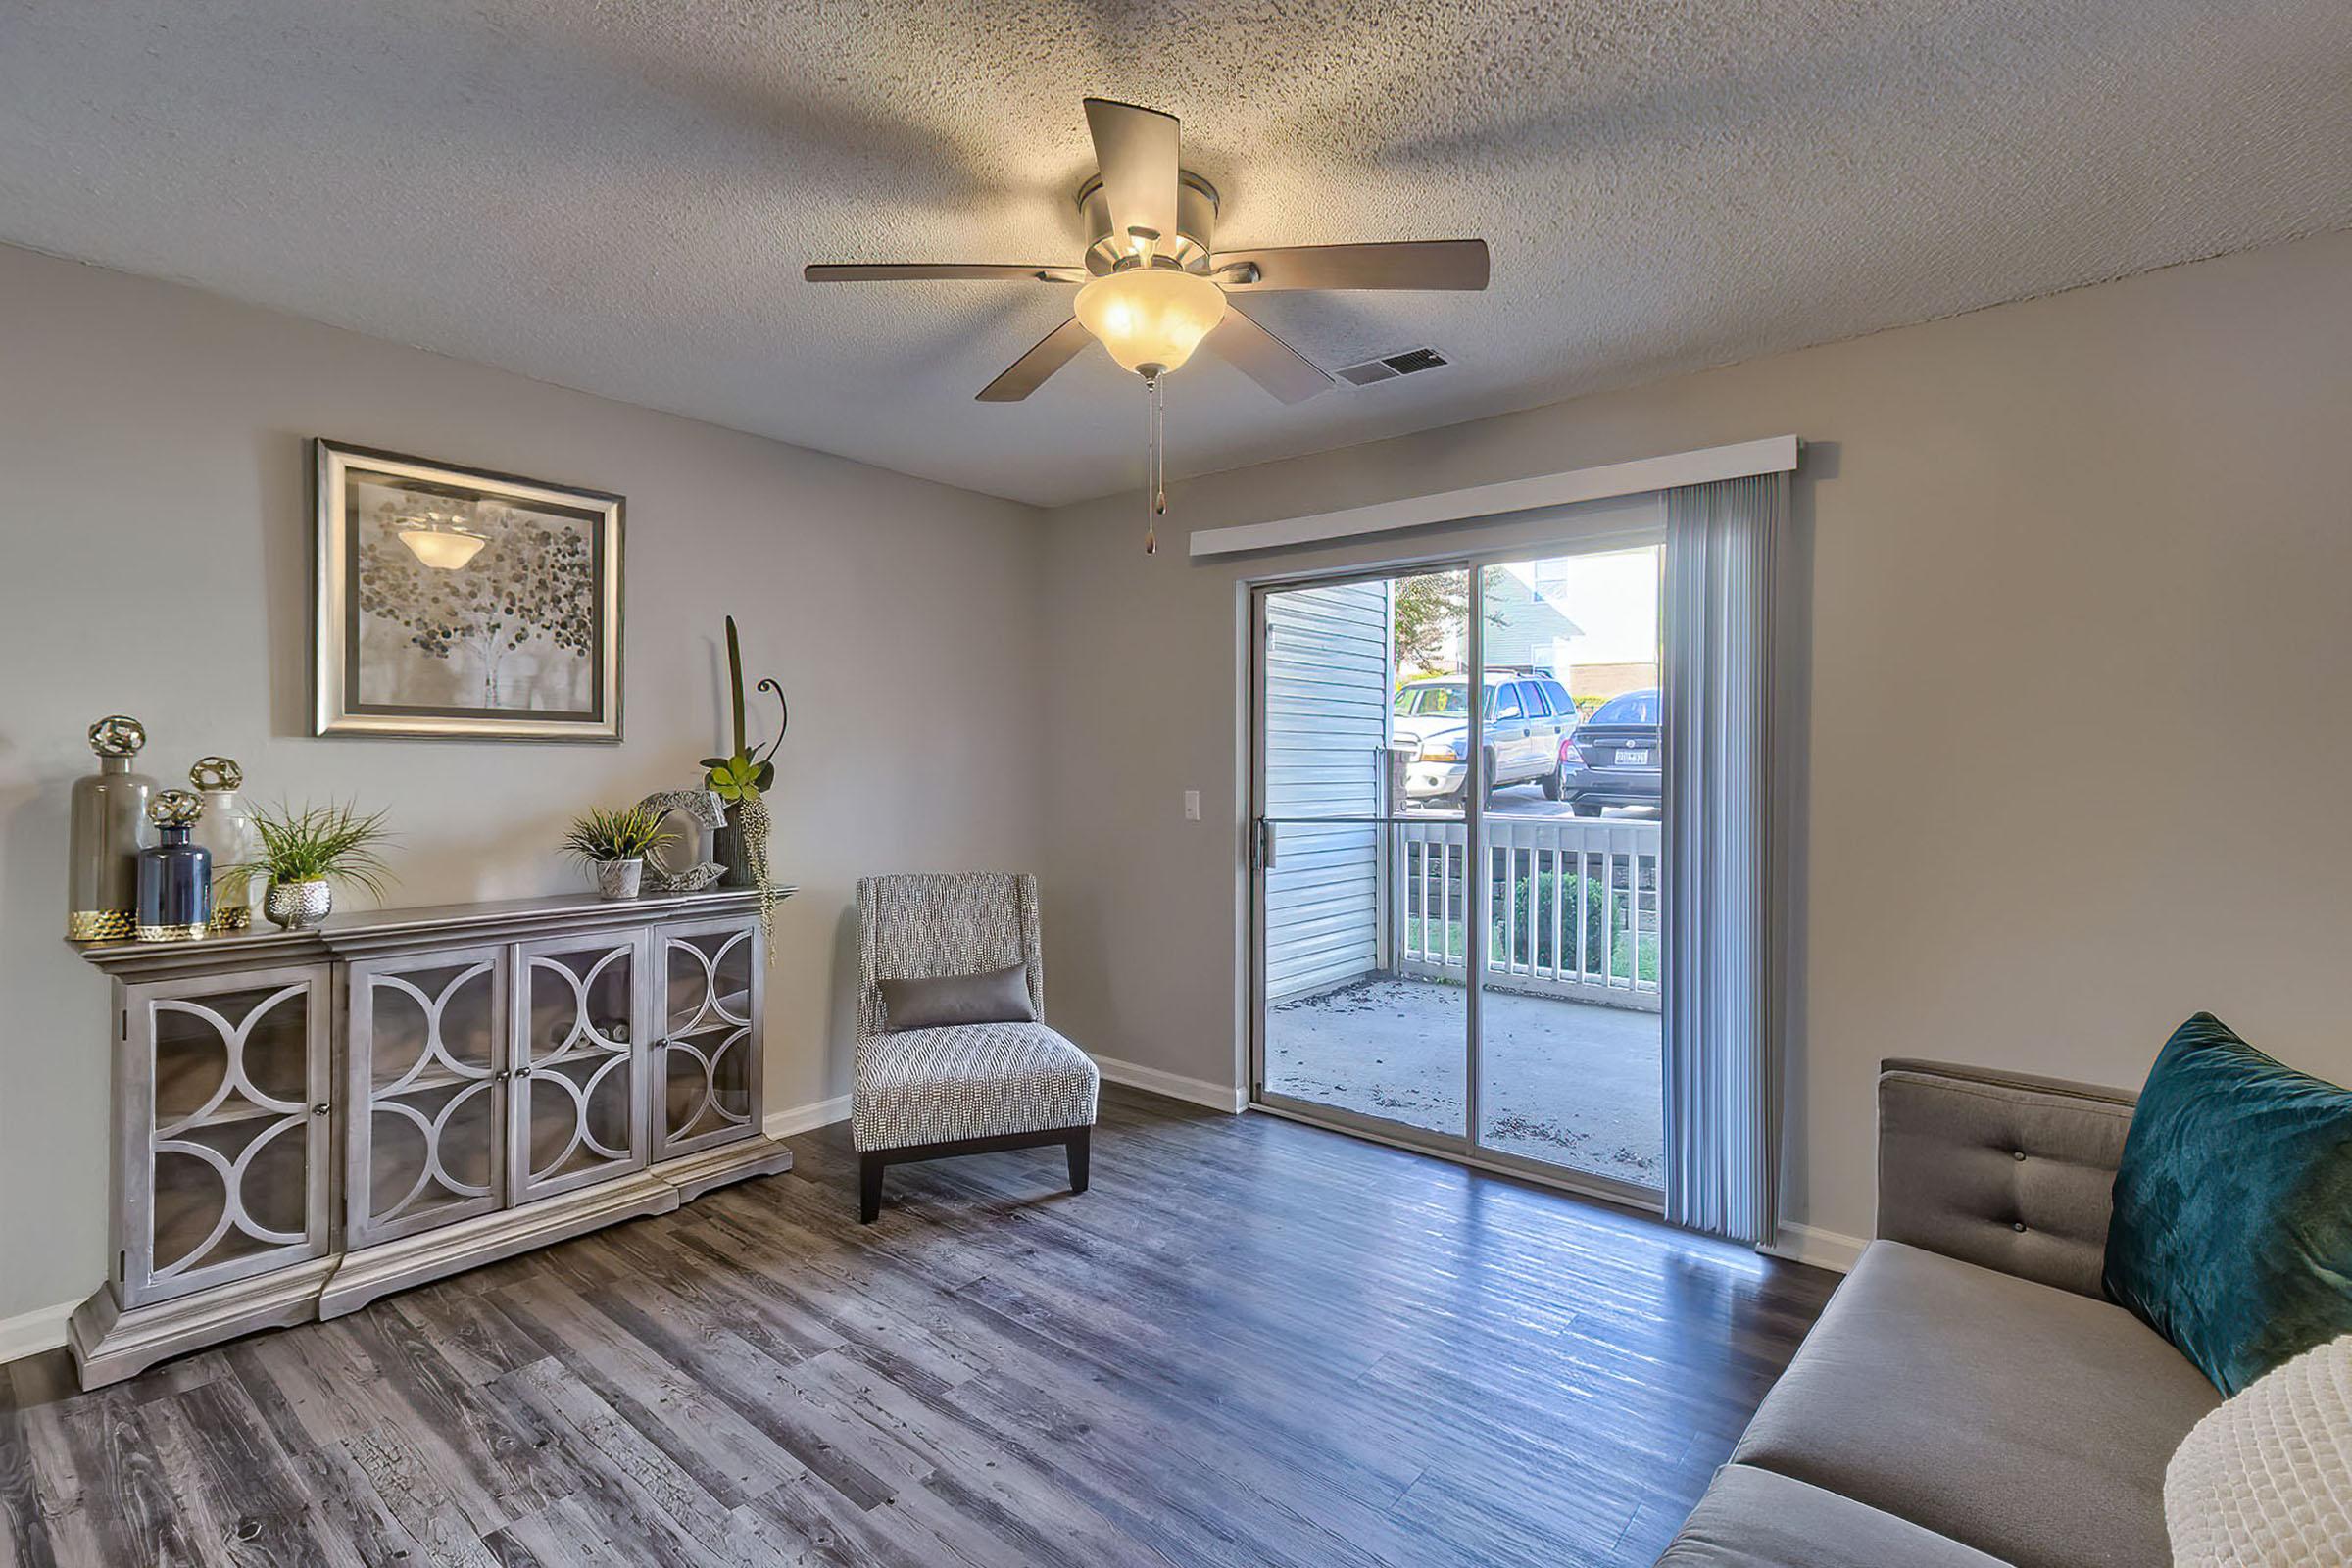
[{"x": 1252, "y": 1342}]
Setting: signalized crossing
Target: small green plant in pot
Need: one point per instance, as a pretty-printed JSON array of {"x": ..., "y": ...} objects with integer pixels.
[
  {"x": 613, "y": 846},
  {"x": 305, "y": 852},
  {"x": 741, "y": 781}
]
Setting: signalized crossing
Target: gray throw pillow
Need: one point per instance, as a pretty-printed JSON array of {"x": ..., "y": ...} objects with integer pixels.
[{"x": 999, "y": 996}]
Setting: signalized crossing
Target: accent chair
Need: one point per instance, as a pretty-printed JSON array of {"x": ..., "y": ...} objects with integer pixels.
[{"x": 966, "y": 1088}]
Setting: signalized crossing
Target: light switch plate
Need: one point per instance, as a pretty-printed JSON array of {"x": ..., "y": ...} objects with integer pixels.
[{"x": 1192, "y": 805}]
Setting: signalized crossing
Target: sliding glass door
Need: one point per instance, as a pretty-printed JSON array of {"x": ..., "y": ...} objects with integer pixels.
[
  {"x": 1456, "y": 863},
  {"x": 1355, "y": 817},
  {"x": 1568, "y": 1039}
]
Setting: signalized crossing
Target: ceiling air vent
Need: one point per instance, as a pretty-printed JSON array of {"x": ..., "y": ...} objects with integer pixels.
[{"x": 1389, "y": 367}]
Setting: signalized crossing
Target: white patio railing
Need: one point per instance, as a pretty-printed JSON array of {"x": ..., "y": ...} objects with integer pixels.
[{"x": 1572, "y": 908}]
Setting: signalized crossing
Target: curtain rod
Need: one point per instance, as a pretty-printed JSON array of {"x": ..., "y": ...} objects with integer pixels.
[{"x": 1772, "y": 454}]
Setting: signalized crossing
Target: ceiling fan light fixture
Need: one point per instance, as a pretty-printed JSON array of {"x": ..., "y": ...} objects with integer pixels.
[
  {"x": 1157, "y": 284},
  {"x": 1151, "y": 318}
]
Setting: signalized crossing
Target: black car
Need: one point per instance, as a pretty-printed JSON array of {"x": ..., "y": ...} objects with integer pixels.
[{"x": 1614, "y": 758}]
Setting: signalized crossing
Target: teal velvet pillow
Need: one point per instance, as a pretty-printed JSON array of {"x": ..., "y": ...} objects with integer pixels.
[{"x": 2232, "y": 1229}]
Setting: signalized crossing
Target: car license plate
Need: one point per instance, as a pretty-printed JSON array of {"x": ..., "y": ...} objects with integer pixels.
[{"x": 1633, "y": 756}]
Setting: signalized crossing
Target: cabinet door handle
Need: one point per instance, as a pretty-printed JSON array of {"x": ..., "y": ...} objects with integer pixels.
[{"x": 322, "y": 1108}]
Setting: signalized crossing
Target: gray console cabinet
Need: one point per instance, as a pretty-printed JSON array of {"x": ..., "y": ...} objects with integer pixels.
[{"x": 305, "y": 1121}]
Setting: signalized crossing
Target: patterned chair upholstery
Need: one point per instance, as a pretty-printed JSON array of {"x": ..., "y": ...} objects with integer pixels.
[{"x": 922, "y": 1093}]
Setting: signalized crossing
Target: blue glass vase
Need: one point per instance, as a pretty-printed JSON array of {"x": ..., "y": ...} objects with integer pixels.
[{"x": 175, "y": 876}]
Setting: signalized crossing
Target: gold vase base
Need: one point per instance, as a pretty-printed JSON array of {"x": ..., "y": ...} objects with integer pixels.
[
  {"x": 170, "y": 933},
  {"x": 100, "y": 925}
]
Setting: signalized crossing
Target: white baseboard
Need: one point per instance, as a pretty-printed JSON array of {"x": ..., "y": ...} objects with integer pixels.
[
  {"x": 1198, "y": 1091},
  {"x": 31, "y": 1333},
  {"x": 1809, "y": 1243},
  {"x": 807, "y": 1118}
]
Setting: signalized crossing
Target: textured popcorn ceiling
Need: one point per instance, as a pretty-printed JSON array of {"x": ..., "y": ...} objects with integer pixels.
[{"x": 619, "y": 196}]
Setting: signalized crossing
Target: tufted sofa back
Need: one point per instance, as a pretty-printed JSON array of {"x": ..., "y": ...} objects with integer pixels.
[{"x": 2008, "y": 1170}]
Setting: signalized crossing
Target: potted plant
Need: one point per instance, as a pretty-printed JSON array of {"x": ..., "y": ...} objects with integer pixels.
[
  {"x": 305, "y": 852},
  {"x": 741, "y": 781},
  {"x": 615, "y": 844}
]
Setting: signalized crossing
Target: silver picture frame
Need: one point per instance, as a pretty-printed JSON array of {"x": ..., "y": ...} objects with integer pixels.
[{"x": 462, "y": 603}]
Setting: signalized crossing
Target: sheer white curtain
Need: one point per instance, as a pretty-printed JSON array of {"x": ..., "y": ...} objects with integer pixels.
[{"x": 1722, "y": 1066}]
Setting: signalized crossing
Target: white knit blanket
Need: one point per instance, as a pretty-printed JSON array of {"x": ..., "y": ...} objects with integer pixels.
[{"x": 2266, "y": 1478}]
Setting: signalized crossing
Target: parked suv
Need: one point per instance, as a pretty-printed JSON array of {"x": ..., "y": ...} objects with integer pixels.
[
  {"x": 1527, "y": 720},
  {"x": 1615, "y": 757}
]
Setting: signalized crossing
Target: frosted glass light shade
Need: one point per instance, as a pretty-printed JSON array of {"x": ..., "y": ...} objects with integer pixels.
[{"x": 1150, "y": 315}]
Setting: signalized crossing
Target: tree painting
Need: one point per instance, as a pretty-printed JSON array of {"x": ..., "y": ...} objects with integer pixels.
[{"x": 534, "y": 582}]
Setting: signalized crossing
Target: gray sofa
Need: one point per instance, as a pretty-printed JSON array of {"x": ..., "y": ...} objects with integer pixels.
[{"x": 1970, "y": 1397}]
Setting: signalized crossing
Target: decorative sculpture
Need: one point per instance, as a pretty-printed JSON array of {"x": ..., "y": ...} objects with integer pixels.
[{"x": 677, "y": 867}]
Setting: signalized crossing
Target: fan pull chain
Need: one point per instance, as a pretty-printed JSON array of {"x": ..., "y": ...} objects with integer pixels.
[{"x": 1155, "y": 490}]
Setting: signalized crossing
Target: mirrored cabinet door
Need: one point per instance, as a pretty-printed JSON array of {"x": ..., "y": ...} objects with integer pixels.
[
  {"x": 227, "y": 1122},
  {"x": 706, "y": 1062},
  {"x": 579, "y": 1023},
  {"x": 429, "y": 1055}
]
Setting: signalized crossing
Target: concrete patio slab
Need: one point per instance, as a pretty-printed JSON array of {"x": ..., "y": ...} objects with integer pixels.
[{"x": 1568, "y": 1083}]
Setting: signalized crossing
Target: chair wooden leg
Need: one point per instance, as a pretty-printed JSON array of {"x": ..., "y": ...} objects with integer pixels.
[
  {"x": 869, "y": 1188},
  {"x": 1081, "y": 1146}
]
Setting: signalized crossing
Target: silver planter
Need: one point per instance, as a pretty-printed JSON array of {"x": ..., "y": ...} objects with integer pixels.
[
  {"x": 618, "y": 879},
  {"x": 298, "y": 905}
]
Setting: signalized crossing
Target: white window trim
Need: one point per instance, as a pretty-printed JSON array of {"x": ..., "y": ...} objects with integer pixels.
[{"x": 1772, "y": 454}]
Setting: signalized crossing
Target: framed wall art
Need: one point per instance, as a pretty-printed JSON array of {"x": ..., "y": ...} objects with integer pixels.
[{"x": 456, "y": 602}]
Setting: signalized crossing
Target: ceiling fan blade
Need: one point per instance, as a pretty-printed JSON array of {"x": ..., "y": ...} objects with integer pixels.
[
  {"x": 907, "y": 271},
  {"x": 1398, "y": 264},
  {"x": 1029, "y": 372},
  {"x": 1265, "y": 358},
  {"x": 1138, "y": 151}
]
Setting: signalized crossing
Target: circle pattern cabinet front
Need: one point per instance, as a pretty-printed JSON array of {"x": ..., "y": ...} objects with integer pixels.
[
  {"x": 579, "y": 1112},
  {"x": 428, "y": 1058},
  {"x": 225, "y": 1126},
  {"x": 706, "y": 1079}
]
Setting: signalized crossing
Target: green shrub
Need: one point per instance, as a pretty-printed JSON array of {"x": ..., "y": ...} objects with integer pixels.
[{"x": 1531, "y": 935}]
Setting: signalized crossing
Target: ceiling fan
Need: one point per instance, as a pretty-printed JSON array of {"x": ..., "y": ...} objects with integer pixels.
[{"x": 1153, "y": 287}]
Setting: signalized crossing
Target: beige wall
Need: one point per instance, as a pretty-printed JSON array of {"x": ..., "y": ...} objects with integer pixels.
[
  {"x": 2076, "y": 745},
  {"x": 2080, "y": 689},
  {"x": 154, "y": 559}
]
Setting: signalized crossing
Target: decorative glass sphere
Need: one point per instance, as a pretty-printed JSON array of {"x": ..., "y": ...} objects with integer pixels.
[
  {"x": 215, "y": 774},
  {"x": 118, "y": 735},
  {"x": 174, "y": 809}
]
